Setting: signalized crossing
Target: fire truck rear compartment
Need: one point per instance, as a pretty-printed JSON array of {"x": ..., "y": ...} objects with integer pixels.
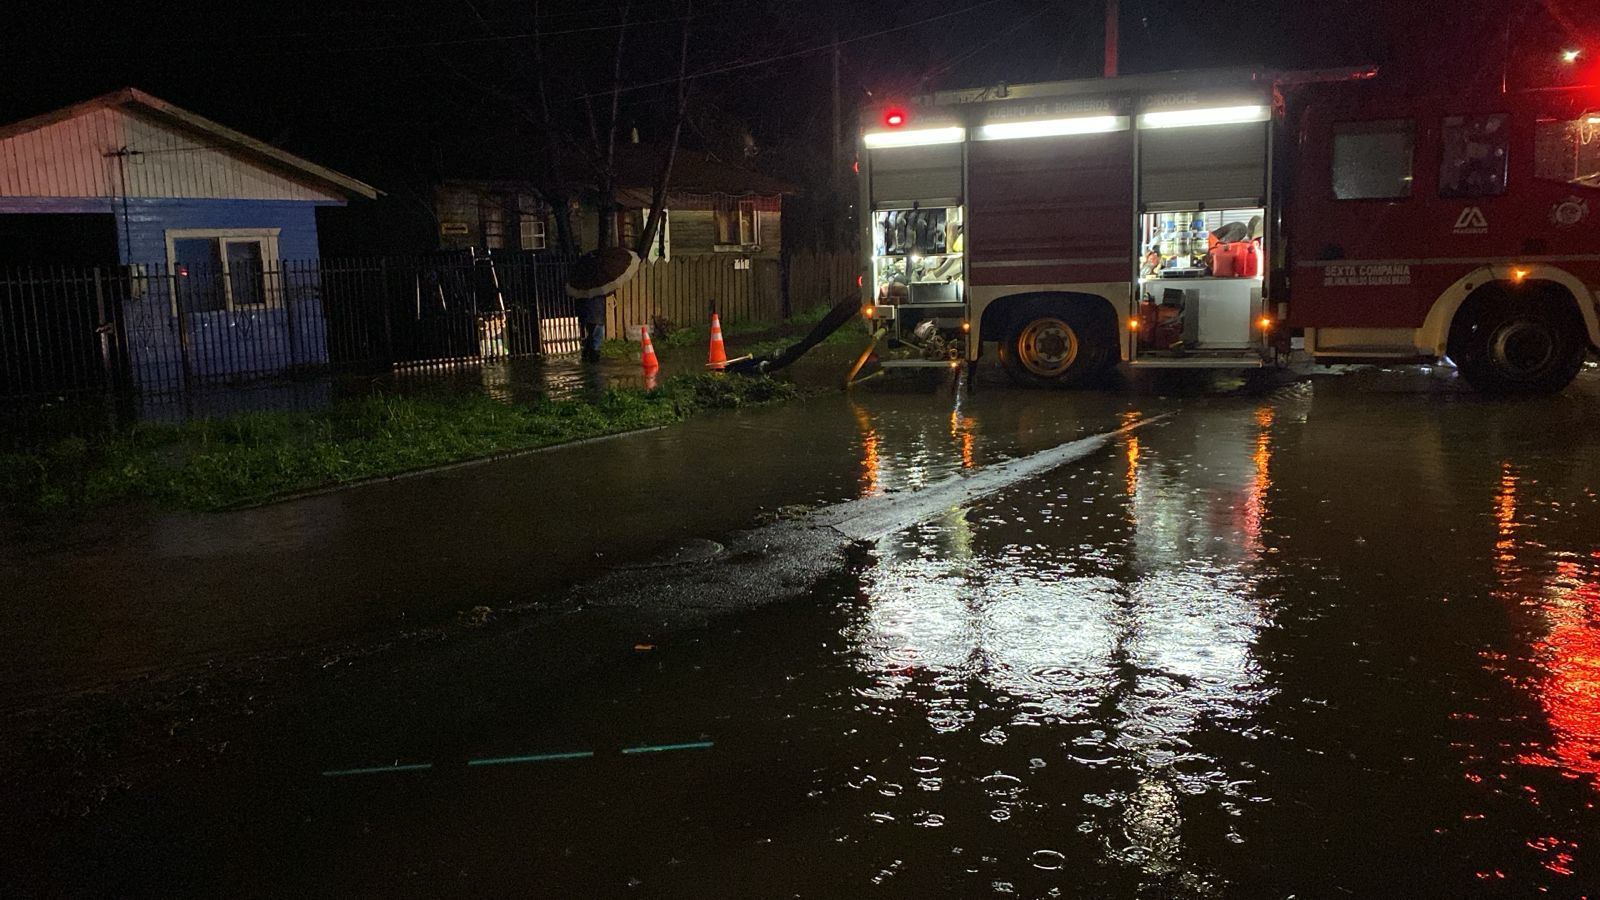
[
  {"x": 918, "y": 269},
  {"x": 1201, "y": 287}
]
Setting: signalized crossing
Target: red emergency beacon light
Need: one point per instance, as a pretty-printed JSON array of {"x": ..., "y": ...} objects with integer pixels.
[{"x": 894, "y": 118}]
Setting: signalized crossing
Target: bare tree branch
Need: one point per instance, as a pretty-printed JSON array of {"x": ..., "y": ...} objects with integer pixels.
[
  {"x": 554, "y": 190},
  {"x": 658, "y": 193},
  {"x": 608, "y": 163}
]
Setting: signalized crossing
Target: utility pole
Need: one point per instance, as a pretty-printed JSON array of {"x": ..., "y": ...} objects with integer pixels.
[
  {"x": 1111, "y": 38},
  {"x": 121, "y": 154}
]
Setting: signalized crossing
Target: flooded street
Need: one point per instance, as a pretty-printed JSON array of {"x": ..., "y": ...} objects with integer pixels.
[{"x": 1339, "y": 638}]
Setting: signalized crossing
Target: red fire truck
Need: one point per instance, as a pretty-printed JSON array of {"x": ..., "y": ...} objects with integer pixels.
[{"x": 1200, "y": 219}]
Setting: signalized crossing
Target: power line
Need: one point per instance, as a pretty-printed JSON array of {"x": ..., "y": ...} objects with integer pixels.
[
  {"x": 411, "y": 25},
  {"x": 493, "y": 38},
  {"x": 956, "y": 61},
  {"x": 484, "y": 39},
  {"x": 820, "y": 48}
]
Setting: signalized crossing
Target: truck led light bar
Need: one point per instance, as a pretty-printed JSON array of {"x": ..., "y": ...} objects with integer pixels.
[
  {"x": 999, "y": 131},
  {"x": 1217, "y": 115},
  {"x": 914, "y": 138}
]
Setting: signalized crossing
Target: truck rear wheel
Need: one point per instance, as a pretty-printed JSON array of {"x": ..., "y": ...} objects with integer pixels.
[
  {"x": 1525, "y": 343},
  {"x": 1059, "y": 347}
]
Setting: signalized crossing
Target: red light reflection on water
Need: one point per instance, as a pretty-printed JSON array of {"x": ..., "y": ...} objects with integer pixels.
[
  {"x": 1566, "y": 604},
  {"x": 1570, "y": 689},
  {"x": 1568, "y": 656}
]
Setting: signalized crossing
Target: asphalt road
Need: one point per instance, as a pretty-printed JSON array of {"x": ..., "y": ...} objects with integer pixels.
[{"x": 1339, "y": 637}]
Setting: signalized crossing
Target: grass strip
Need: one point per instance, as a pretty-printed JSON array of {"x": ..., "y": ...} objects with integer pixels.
[
  {"x": 212, "y": 464},
  {"x": 759, "y": 338}
]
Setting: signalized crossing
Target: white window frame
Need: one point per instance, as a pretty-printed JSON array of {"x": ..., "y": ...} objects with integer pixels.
[
  {"x": 266, "y": 237},
  {"x": 754, "y": 237},
  {"x": 532, "y": 233}
]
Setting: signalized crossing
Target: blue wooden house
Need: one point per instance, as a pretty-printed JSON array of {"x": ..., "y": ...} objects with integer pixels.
[{"x": 193, "y": 219}]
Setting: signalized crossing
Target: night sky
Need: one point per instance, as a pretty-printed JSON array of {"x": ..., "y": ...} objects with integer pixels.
[{"x": 395, "y": 94}]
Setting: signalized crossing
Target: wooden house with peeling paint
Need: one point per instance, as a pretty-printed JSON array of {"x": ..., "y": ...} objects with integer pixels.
[{"x": 189, "y": 220}]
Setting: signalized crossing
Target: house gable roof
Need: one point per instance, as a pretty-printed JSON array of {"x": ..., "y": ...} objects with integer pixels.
[{"x": 260, "y": 151}]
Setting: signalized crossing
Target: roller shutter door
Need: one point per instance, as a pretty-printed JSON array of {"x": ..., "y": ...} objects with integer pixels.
[
  {"x": 1051, "y": 210},
  {"x": 1215, "y": 165},
  {"x": 927, "y": 176}
]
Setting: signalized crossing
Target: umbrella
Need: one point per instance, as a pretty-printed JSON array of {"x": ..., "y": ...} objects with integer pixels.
[{"x": 599, "y": 272}]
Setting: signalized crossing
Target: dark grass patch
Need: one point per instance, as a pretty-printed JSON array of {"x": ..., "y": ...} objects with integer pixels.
[{"x": 211, "y": 464}]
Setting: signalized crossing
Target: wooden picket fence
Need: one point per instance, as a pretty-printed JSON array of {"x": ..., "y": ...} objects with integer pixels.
[{"x": 686, "y": 290}]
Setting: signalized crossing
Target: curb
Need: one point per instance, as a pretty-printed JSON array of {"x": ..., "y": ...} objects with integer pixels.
[{"x": 426, "y": 470}]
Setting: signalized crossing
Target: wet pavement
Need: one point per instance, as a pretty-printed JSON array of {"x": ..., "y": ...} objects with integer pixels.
[{"x": 1341, "y": 638}]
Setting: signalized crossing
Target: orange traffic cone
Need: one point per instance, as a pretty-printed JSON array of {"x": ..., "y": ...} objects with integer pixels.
[
  {"x": 647, "y": 354},
  {"x": 719, "y": 353}
]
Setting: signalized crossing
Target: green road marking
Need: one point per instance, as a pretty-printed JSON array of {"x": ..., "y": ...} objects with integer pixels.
[
  {"x": 657, "y": 748},
  {"x": 534, "y": 757},
  {"x": 371, "y": 770}
]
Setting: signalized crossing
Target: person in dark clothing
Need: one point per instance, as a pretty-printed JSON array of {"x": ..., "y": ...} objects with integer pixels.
[
  {"x": 592, "y": 322},
  {"x": 595, "y": 276}
]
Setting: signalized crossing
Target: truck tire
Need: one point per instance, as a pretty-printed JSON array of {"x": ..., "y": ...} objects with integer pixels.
[
  {"x": 1528, "y": 342},
  {"x": 1064, "y": 347}
]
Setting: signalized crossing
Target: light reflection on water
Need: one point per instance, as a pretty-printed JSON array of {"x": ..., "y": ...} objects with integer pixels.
[
  {"x": 1570, "y": 655},
  {"x": 901, "y": 453},
  {"x": 1566, "y": 608},
  {"x": 1124, "y": 654},
  {"x": 1560, "y": 669},
  {"x": 1227, "y": 631}
]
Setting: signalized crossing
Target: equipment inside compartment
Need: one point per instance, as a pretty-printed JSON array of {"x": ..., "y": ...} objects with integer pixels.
[
  {"x": 917, "y": 255},
  {"x": 1200, "y": 279},
  {"x": 1201, "y": 243}
]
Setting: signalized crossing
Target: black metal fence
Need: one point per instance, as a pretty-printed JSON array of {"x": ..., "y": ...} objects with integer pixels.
[{"x": 154, "y": 329}]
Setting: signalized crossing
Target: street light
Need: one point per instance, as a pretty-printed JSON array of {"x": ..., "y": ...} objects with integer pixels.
[{"x": 1570, "y": 56}]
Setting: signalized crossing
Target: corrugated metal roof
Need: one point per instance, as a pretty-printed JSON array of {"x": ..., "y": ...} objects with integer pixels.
[{"x": 259, "y": 151}]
